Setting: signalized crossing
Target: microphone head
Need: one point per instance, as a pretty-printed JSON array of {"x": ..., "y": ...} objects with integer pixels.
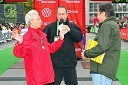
[{"x": 61, "y": 21}]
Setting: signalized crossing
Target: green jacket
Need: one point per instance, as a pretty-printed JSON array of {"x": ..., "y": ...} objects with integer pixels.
[{"x": 109, "y": 42}]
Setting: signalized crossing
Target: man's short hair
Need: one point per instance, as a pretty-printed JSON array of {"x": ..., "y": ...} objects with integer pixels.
[
  {"x": 107, "y": 8},
  {"x": 62, "y": 7}
]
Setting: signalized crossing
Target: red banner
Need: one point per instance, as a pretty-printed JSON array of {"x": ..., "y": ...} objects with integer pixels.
[
  {"x": 47, "y": 10},
  {"x": 76, "y": 14},
  {"x": 47, "y": 15},
  {"x": 45, "y": 3},
  {"x": 73, "y": 3},
  {"x": 124, "y": 33},
  {"x": 15, "y": 0},
  {"x": 76, "y": 11}
]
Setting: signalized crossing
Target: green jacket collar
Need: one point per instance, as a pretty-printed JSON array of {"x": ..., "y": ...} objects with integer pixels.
[{"x": 112, "y": 18}]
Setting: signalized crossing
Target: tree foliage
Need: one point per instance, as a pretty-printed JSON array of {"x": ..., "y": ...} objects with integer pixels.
[{"x": 28, "y": 6}]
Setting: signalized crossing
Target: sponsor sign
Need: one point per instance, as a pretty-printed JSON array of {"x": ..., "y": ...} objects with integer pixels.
[
  {"x": 46, "y": 12},
  {"x": 73, "y": 3},
  {"x": 45, "y": 3},
  {"x": 47, "y": 15},
  {"x": 11, "y": 13}
]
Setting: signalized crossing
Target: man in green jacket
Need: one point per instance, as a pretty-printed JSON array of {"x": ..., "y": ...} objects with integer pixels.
[{"x": 109, "y": 42}]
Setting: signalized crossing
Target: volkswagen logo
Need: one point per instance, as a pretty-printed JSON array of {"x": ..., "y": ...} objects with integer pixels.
[{"x": 46, "y": 12}]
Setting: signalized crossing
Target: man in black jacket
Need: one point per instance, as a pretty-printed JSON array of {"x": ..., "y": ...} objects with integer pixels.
[{"x": 64, "y": 60}]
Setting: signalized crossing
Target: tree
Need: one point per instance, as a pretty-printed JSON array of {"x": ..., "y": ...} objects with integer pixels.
[{"x": 28, "y": 6}]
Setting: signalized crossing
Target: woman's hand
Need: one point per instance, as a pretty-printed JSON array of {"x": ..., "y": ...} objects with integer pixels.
[{"x": 17, "y": 36}]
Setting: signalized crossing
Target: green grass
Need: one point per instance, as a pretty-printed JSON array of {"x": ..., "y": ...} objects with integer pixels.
[
  {"x": 7, "y": 59},
  {"x": 122, "y": 72}
]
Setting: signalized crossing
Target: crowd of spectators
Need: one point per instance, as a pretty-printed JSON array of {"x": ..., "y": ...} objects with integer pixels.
[
  {"x": 123, "y": 22},
  {"x": 7, "y": 28}
]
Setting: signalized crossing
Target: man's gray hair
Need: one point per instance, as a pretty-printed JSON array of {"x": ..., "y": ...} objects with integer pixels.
[{"x": 29, "y": 16}]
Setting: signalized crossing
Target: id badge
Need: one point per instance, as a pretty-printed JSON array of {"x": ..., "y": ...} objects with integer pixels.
[{"x": 56, "y": 38}]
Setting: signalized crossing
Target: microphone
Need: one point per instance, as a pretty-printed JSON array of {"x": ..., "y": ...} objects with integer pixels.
[{"x": 61, "y": 21}]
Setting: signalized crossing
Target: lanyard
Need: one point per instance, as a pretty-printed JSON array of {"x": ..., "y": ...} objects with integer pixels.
[
  {"x": 57, "y": 28},
  {"x": 41, "y": 40}
]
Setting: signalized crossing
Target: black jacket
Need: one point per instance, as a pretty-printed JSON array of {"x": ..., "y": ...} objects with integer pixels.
[{"x": 66, "y": 55}]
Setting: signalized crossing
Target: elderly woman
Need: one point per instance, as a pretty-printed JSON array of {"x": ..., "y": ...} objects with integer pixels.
[{"x": 35, "y": 50}]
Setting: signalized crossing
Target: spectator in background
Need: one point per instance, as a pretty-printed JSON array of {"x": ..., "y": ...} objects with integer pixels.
[
  {"x": 95, "y": 21},
  {"x": 35, "y": 50},
  {"x": 95, "y": 27},
  {"x": 119, "y": 24},
  {"x": 24, "y": 30},
  {"x": 65, "y": 59},
  {"x": 125, "y": 22},
  {"x": 0, "y": 27},
  {"x": 1, "y": 36},
  {"x": 109, "y": 42}
]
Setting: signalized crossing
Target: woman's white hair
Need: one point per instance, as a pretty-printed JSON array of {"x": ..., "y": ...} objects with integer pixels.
[{"x": 30, "y": 16}]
